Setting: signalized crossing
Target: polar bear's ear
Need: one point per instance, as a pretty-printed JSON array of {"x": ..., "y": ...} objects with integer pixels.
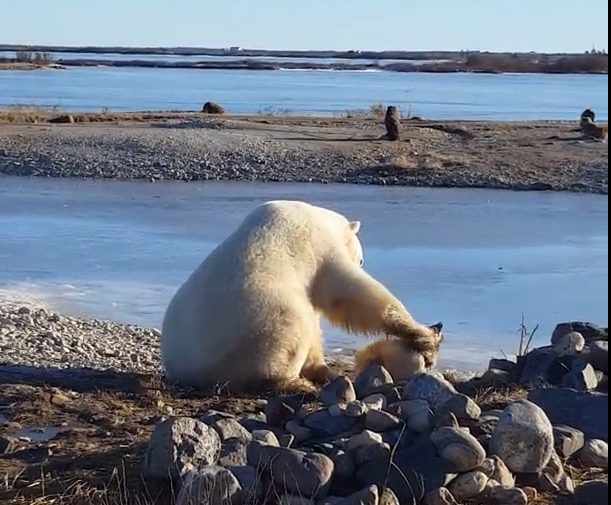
[{"x": 355, "y": 226}]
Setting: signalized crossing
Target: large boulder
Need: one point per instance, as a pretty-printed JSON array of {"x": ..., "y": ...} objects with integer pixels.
[
  {"x": 180, "y": 445},
  {"x": 588, "y": 330},
  {"x": 588, "y": 412},
  {"x": 523, "y": 438}
]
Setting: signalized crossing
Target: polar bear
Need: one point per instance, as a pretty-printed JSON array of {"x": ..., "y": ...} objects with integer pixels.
[{"x": 249, "y": 315}]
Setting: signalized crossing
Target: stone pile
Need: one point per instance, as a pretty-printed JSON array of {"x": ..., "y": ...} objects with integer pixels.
[{"x": 375, "y": 441}]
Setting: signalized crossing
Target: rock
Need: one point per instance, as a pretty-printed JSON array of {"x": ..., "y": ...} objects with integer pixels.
[
  {"x": 459, "y": 449},
  {"x": 543, "y": 366},
  {"x": 524, "y": 438},
  {"x": 281, "y": 409},
  {"x": 212, "y": 416},
  {"x": 211, "y": 485},
  {"x": 287, "y": 440},
  {"x": 266, "y": 436},
  {"x": 233, "y": 453},
  {"x": 553, "y": 478},
  {"x": 356, "y": 409},
  {"x": 599, "y": 355},
  {"x": 336, "y": 410},
  {"x": 381, "y": 421},
  {"x": 63, "y": 119},
  {"x": 301, "y": 433},
  {"x": 589, "y": 331},
  {"x": 567, "y": 440},
  {"x": 503, "y": 365},
  {"x": 440, "y": 496},
  {"x": 364, "y": 439},
  {"x": 431, "y": 387},
  {"x": 388, "y": 497},
  {"x": 367, "y": 496},
  {"x": 376, "y": 401},
  {"x": 370, "y": 452},
  {"x": 254, "y": 422},
  {"x": 344, "y": 466},
  {"x": 324, "y": 424},
  {"x": 468, "y": 485},
  {"x": 230, "y": 428},
  {"x": 496, "y": 378},
  {"x": 341, "y": 390},
  {"x": 595, "y": 492},
  {"x": 372, "y": 380},
  {"x": 8, "y": 444},
  {"x": 250, "y": 480},
  {"x": 462, "y": 407},
  {"x": 212, "y": 108},
  {"x": 306, "y": 474},
  {"x": 500, "y": 495},
  {"x": 587, "y": 412},
  {"x": 582, "y": 378},
  {"x": 502, "y": 474},
  {"x": 180, "y": 445},
  {"x": 409, "y": 408},
  {"x": 595, "y": 454},
  {"x": 570, "y": 344}
]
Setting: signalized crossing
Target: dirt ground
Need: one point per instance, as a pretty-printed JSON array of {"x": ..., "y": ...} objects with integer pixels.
[{"x": 519, "y": 156}]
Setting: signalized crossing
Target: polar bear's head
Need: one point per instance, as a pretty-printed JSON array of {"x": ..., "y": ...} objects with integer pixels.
[{"x": 355, "y": 248}]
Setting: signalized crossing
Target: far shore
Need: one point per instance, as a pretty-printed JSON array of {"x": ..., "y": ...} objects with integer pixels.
[{"x": 155, "y": 146}]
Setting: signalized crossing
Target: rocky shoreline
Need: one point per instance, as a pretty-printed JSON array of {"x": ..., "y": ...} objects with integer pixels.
[
  {"x": 83, "y": 398},
  {"x": 195, "y": 147}
]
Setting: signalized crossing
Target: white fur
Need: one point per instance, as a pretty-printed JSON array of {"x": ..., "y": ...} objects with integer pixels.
[{"x": 249, "y": 314}]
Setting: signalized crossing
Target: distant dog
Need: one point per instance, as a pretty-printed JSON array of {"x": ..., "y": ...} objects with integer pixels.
[{"x": 392, "y": 121}]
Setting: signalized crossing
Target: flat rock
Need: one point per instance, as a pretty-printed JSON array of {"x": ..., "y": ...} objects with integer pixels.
[
  {"x": 543, "y": 366},
  {"x": 582, "y": 377},
  {"x": 323, "y": 424},
  {"x": 431, "y": 387},
  {"x": 468, "y": 485},
  {"x": 372, "y": 380},
  {"x": 463, "y": 407},
  {"x": 211, "y": 485},
  {"x": 589, "y": 331},
  {"x": 523, "y": 438},
  {"x": 180, "y": 445},
  {"x": 340, "y": 390},
  {"x": 500, "y": 495},
  {"x": 460, "y": 450},
  {"x": 381, "y": 421},
  {"x": 568, "y": 441},
  {"x": 595, "y": 454},
  {"x": 266, "y": 436},
  {"x": 588, "y": 412},
  {"x": 295, "y": 472},
  {"x": 233, "y": 453},
  {"x": 599, "y": 355}
]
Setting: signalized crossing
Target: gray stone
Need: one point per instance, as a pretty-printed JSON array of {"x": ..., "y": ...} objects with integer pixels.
[
  {"x": 375, "y": 401},
  {"x": 582, "y": 378},
  {"x": 281, "y": 409},
  {"x": 503, "y": 365},
  {"x": 571, "y": 344},
  {"x": 431, "y": 387},
  {"x": 286, "y": 440},
  {"x": 388, "y": 497},
  {"x": 589, "y": 331},
  {"x": 364, "y": 439},
  {"x": 496, "y": 378},
  {"x": 588, "y": 412},
  {"x": 324, "y": 424},
  {"x": 409, "y": 408},
  {"x": 460, "y": 450},
  {"x": 266, "y": 436},
  {"x": 301, "y": 433},
  {"x": 212, "y": 485},
  {"x": 599, "y": 355},
  {"x": 543, "y": 366},
  {"x": 568, "y": 441},
  {"x": 380, "y": 421},
  {"x": 178, "y": 446},
  {"x": 211, "y": 416},
  {"x": 292, "y": 499},
  {"x": 502, "y": 474},
  {"x": 372, "y": 452},
  {"x": 296, "y": 472},
  {"x": 595, "y": 492},
  {"x": 554, "y": 478},
  {"x": 524, "y": 438},
  {"x": 233, "y": 453},
  {"x": 230, "y": 428},
  {"x": 341, "y": 390},
  {"x": 440, "y": 496},
  {"x": 345, "y": 468},
  {"x": 251, "y": 481},
  {"x": 372, "y": 380},
  {"x": 595, "y": 454},
  {"x": 253, "y": 422},
  {"x": 463, "y": 407},
  {"x": 500, "y": 495},
  {"x": 367, "y": 496},
  {"x": 356, "y": 409},
  {"x": 468, "y": 485}
]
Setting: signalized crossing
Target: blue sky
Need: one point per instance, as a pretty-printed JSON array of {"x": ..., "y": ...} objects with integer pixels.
[{"x": 517, "y": 25}]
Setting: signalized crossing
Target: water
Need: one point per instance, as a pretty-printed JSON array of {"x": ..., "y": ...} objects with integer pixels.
[
  {"x": 475, "y": 259},
  {"x": 436, "y": 96}
]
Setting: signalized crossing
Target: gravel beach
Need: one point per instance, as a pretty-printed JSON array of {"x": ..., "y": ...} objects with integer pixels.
[{"x": 518, "y": 156}]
